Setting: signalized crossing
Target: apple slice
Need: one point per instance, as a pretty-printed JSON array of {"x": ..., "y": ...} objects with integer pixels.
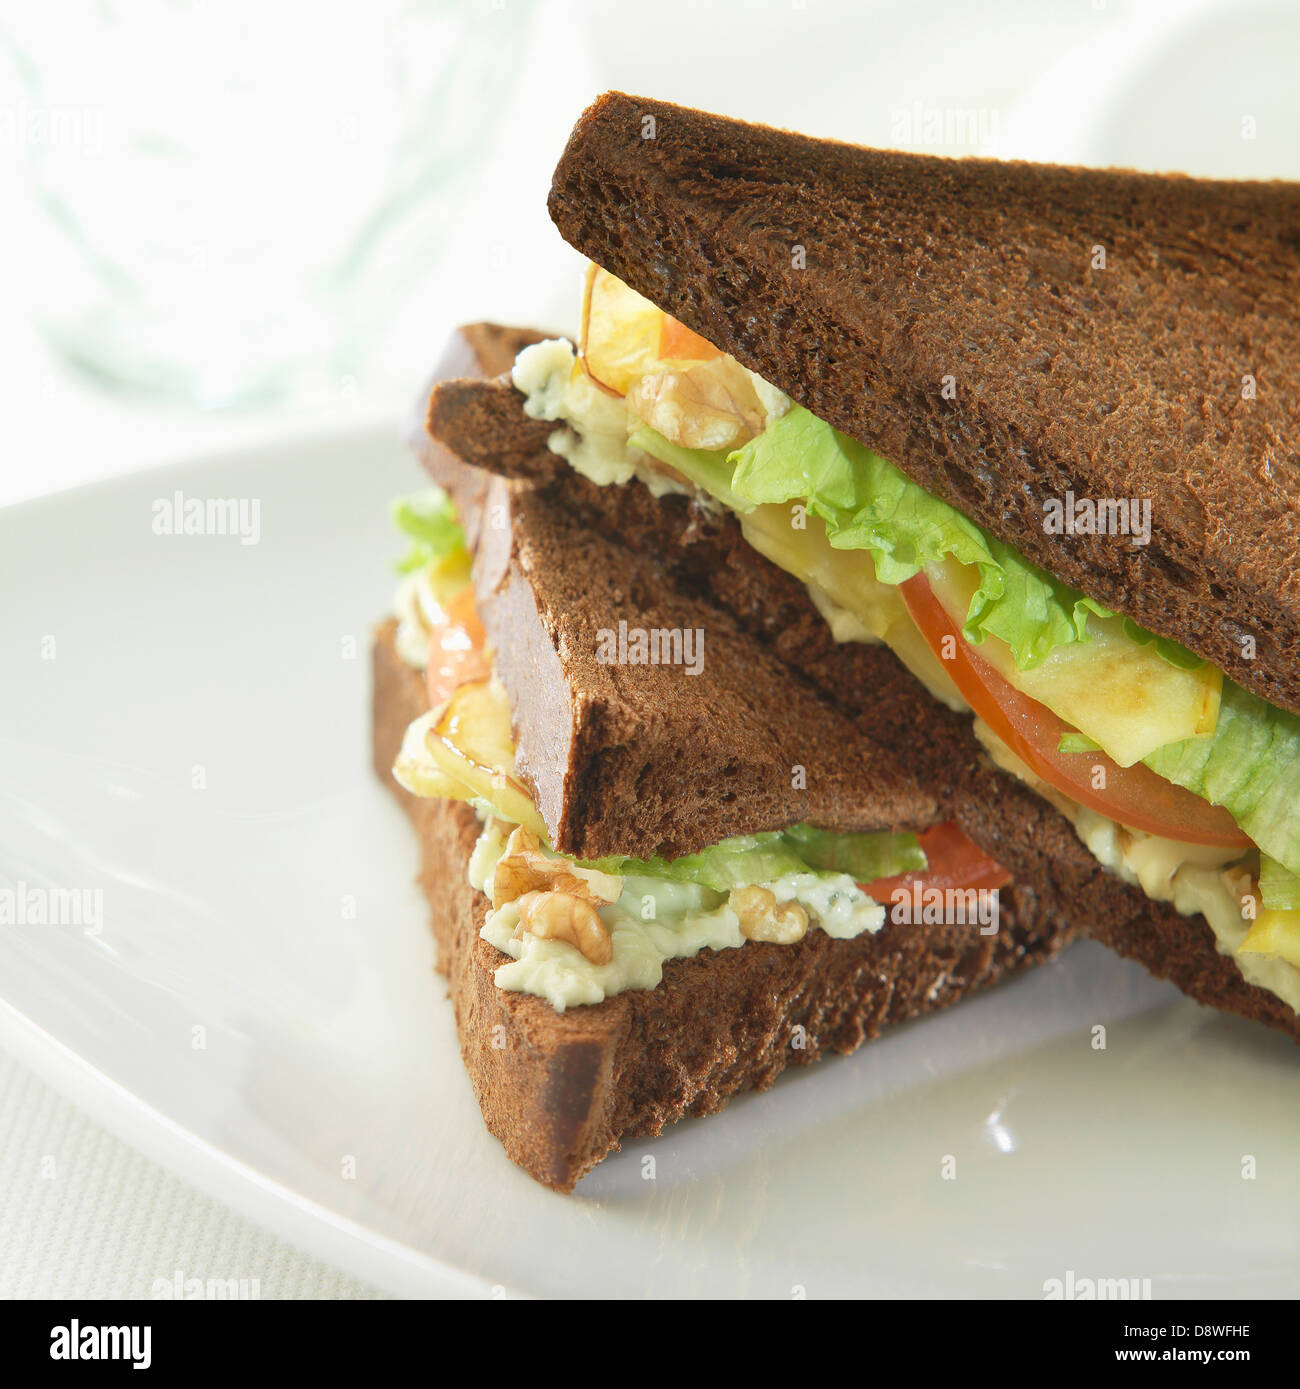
[
  {"x": 620, "y": 332},
  {"x": 470, "y": 743},
  {"x": 1121, "y": 694},
  {"x": 625, "y": 336},
  {"x": 463, "y": 751},
  {"x": 418, "y": 772}
]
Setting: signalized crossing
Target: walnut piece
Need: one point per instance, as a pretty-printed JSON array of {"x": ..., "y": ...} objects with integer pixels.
[
  {"x": 763, "y": 918},
  {"x": 524, "y": 868},
  {"x": 562, "y": 916}
]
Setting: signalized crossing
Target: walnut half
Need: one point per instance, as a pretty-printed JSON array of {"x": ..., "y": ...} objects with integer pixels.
[
  {"x": 523, "y": 868},
  {"x": 763, "y": 918},
  {"x": 563, "y": 916}
]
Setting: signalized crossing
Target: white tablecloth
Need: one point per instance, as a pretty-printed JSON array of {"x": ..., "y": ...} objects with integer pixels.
[{"x": 83, "y": 1215}]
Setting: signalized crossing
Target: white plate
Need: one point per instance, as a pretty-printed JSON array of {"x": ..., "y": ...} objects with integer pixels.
[{"x": 330, "y": 1048}]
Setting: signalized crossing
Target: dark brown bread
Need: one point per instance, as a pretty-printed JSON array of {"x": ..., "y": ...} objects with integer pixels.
[
  {"x": 703, "y": 554},
  {"x": 565, "y": 1089},
  {"x": 857, "y": 280}
]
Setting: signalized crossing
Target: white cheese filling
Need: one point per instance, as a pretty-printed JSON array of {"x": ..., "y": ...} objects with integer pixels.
[
  {"x": 545, "y": 374},
  {"x": 652, "y": 921}
]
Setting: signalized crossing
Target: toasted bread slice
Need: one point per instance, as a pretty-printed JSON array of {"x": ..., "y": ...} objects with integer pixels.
[{"x": 1004, "y": 333}]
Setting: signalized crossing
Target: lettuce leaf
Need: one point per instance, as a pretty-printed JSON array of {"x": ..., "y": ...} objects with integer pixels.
[
  {"x": 429, "y": 520},
  {"x": 868, "y": 504},
  {"x": 1279, "y": 888},
  {"x": 735, "y": 862},
  {"x": 746, "y": 859},
  {"x": 710, "y": 472},
  {"x": 1250, "y": 765},
  {"x": 864, "y": 857},
  {"x": 799, "y": 456}
]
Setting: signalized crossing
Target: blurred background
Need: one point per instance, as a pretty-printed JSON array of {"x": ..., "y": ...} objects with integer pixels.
[{"x": 225, "y": 218}]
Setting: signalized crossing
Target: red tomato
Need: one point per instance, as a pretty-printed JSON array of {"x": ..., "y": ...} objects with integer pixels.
[
  {"x": 1135, "y": 796},
  {"x": 456, "y": 649},
  {"x": 954, "y": 861}
]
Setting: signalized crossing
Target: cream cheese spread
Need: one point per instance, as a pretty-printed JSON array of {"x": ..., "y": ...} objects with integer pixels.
[
  {"x": 555, "y": 389},
  {"x": 650, "y": 922}
]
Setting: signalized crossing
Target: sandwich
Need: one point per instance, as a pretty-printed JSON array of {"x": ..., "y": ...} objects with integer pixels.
[
  {"x": 652, "y": 889},
  {"x": 971, "y": 487},
  {"x": 1054, "y": 408}
]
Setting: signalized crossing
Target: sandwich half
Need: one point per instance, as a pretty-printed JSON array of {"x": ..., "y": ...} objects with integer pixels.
[
  {"x": 1044, "y": 425},
  {"x": 656, "y": 885}
]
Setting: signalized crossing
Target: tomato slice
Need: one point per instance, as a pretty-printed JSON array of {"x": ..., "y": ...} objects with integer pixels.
[
  {"x": 954, "y": 862},
  {"x": 1135, "y": 796},
  {"x": 456, "y": 649}
]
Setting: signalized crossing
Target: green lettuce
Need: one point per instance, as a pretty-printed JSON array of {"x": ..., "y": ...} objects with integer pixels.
[
  {"x": 1250, "y": 765},
  {"x": 1279, "y": 888},
  {"x": 710, "y": 472},
  {"x": 746, "y": 859},
  {"x": 428, "y": 519},
  {"x": 868, "y": 504},
  {"x": 864, "y": 857}
]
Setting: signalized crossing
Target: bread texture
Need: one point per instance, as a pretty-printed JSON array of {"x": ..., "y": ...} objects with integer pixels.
[
  {"x": 1004, "y": 333},
  {"x": 1057, "y": 883}
]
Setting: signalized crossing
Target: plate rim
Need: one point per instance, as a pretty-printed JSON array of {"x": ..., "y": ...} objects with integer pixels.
[{"x": 392, "y": 1267}]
